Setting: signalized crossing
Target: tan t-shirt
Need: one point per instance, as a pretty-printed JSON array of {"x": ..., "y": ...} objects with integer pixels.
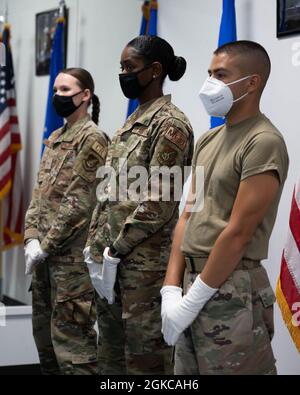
[{"x": 229, "y": 154}]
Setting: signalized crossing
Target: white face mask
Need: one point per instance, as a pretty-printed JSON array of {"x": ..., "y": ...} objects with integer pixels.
[{"x": 217, "y": 97}]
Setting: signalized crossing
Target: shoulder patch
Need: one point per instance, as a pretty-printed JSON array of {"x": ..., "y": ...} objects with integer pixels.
[
  {"x": 176, "y": 137},
  {"x": 91, "y": 163},
  {"x": 167, "y": 156},
  {"x": 99, "y": 149}
]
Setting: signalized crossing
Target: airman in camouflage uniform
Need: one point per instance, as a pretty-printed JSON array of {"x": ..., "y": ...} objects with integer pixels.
[
  {"x": 59, "y": 214},
  {"x": 224, "y": 323},
  {"x": 157, "y": 134}
]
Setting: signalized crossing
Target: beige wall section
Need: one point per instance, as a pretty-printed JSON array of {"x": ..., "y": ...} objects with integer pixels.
[{"x": 97, "y": 32}]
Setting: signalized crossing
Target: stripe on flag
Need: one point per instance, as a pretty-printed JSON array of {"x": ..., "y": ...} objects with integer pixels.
[
  {"x": 11, "y": 194},
  {"x": 288, "y": 285}
]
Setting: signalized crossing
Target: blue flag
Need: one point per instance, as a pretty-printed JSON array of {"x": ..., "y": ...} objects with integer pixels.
[
  {"x": 54, "y": 121},
  {"x": 148, "y": 26},
  {"x": 227, "y": 35},
  {"x": 152, "y": 29}
]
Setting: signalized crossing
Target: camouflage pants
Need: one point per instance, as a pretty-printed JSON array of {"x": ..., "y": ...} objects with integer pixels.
[
  {"x": 63, "y": 318},
  {"x": 130, "y": 339},
  {"x": 233, "y": 332}
]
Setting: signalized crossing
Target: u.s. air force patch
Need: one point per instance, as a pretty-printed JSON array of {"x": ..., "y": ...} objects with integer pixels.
[
  {"x": 91, "y": 163},
  {"x": 91, "y": 156},
  {"x": 176, "y": 137},
  {"x": 167, "y": 156}
]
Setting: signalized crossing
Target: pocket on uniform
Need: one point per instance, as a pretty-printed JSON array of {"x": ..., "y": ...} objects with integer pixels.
[
  {"x": 267, "y": 298},
  {"x": 234, "y": 294},
  {"x": 227, "y": 318},
  {"x": 73, "y": 287},
  {"x": 60, "y": 172},
  {"x": 75, "y": 302},
  {"x": 119, "y": 162}
]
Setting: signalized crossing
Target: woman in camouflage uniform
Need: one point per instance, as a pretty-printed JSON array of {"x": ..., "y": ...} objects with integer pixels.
[
  {"x": 134, "y": 237},
  {"x": 56, "y": 229}
]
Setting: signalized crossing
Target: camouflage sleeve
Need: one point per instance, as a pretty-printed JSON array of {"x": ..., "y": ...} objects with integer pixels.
[
  {"x": 173, "y": 146},
  {"x": 31, "y": 218},
  {"x": 97, "y": 216},
  {"x": 80, "y": 197},
  {"x": 98, "y": 236},
  {"x": 94, "y": 223}
]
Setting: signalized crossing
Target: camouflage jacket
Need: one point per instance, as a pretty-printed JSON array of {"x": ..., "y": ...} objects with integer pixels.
[
  {"x": 64, "y": 195},
  {"x": 157, "y": 134}
]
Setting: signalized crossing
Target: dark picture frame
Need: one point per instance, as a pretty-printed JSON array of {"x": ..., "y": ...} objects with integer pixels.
[
  {"x": 45, "y": 24},
  {"x": 288, "y": 17}
]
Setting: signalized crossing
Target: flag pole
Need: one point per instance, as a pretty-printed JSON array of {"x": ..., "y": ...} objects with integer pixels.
[
  {"x": 6, "y": 12},
  {"x": 62, "y": 6}
]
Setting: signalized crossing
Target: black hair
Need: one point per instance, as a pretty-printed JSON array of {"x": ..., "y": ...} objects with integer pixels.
[
  {"x": 156, "y": 49},
  {"x": 85, "y": 81},
  {"x": 249, "y": 48}
]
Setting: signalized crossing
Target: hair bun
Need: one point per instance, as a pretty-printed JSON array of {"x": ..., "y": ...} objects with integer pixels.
[{"x": 177, "y": 68}]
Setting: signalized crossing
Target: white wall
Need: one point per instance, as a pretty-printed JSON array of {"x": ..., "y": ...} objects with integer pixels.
[{"x": 98, "y": 31}]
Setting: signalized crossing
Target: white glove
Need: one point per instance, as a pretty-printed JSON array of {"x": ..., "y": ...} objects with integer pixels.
[
  {"x": 95, "y": 270},
  {"x": 92, "y": 266},
  {"x": 103, "y": 276},
  {"x": 29, "y": 265},
  {"x": 33, "y": 255},
  {"x": 179, "y": 312}
]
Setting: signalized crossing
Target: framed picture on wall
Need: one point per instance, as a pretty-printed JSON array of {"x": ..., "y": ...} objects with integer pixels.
[
  {"x": 288, "y": 17},
  {"x": 45, "y": 30}
]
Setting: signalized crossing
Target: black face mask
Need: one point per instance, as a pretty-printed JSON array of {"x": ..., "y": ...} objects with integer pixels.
[
  {"x": 64, "y": 105},
  {"x": 130, "y": 84}
]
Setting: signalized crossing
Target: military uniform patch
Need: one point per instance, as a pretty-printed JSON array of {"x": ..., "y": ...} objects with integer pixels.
[
  {"x": 91, "y": 163},
  {"x": 99, "y": 149},
  {"x": 167, "y": 156},
  {"x": 177, "y": 137}
]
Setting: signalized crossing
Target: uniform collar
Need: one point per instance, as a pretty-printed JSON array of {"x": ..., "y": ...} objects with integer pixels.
[
  {"x": 246, "y": 123},
  {"x": 145, "y": 113},
  {"x": 71, "y": 132},
  {"x": 68, "y": 133}
]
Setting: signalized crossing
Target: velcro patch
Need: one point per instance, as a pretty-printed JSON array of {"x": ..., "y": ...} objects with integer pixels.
[
  {"x": 167, "y": 156},
  {"x": 91, "y": 163},
  {"x": 99, "y": 149},
  {"x": 176, "y": 137}
]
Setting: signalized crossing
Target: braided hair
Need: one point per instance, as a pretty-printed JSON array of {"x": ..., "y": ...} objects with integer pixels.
[{"x": 96, "y": 108}]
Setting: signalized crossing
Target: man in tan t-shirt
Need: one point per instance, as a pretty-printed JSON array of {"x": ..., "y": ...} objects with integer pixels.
[{"x": 224, "y": 323}]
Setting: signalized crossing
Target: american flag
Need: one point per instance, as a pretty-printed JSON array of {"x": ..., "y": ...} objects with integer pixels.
[
  {"x": 11, "y": 195},
  {"x": 288, "y": 286}
]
